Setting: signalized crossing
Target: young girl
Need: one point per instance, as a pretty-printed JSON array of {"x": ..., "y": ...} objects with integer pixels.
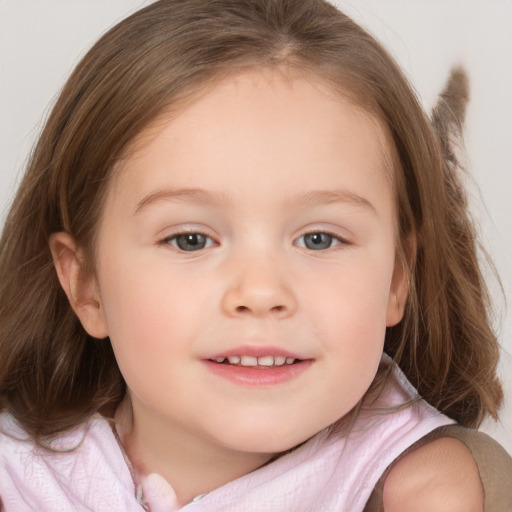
[{"x": 236, "y": 225}]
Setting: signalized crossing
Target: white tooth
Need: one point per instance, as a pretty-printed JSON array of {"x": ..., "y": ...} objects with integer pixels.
[
  {"x": 220, "y": 359},
  {"x": 249, "y": 361},
  {"x": 290, "y": 360},
  {"x": 279, "y": 360},
  {"x": 233, "y": 359},
  {"x": 266, "y": 361}
]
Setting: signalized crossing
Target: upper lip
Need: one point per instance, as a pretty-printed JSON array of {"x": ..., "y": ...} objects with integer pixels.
[{"x": 256, "y": 351}]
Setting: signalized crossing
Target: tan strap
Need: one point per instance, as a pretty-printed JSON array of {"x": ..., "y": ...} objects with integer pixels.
[{"x": 493, "y": 462}]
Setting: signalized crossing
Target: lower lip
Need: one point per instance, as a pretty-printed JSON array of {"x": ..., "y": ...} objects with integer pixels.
[{"x": 251, "y": 376}]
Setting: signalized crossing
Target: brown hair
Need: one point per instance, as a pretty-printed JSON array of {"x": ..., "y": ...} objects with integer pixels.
[{"x": 53, "y": 375}]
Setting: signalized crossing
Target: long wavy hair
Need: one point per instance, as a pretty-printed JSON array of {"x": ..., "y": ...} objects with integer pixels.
[{"x": 53, "y": 375}]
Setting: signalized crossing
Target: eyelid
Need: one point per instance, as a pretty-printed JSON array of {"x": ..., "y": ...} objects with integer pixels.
[{"x": 331, "y": 232}]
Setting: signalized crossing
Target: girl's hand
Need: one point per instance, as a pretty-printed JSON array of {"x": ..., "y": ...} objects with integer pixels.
[{"x": 159, "y": 494}]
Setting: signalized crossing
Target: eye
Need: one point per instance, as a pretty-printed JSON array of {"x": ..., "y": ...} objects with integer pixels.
[
  {"x": 318, "y": 241},
  {"x": 189, "y": 241}
]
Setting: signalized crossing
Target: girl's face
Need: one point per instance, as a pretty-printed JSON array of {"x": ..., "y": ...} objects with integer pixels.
[{"x": 246, "y": 264}]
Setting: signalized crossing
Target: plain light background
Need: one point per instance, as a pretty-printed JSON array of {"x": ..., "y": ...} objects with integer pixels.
[{"x": 41, "y": 41}]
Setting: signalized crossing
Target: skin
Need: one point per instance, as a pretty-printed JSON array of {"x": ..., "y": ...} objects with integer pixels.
[
  {"x": 440, "y": 476},
  {"x": 274, "y": 157}
]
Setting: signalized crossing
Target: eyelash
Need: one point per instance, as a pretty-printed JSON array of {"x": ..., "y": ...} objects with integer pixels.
[
  {"x": 334, "y": 238},
  {"x": 204, "y": 241},
  {"x": 176, "y": 237}
]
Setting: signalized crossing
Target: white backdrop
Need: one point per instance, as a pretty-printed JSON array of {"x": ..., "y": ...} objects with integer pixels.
[{"x": 41, "y": 41}]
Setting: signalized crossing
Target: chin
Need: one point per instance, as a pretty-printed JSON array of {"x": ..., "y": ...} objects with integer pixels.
[{"x": 269, "y": 441}]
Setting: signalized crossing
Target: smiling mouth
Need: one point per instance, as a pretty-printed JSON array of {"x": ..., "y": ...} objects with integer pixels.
[
  {"x": 263, "y": 362},
  {"x": 258, "y": 369}
]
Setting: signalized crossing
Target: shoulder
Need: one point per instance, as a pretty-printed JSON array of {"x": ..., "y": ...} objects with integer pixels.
[
  {"x": 87, "y": 460},
  {"x": 441, "y": 475}
]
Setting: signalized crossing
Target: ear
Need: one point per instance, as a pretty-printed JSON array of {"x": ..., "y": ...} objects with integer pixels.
[
  {"x": 399, "y": 289},
  {"x": 82, "y": 291}
]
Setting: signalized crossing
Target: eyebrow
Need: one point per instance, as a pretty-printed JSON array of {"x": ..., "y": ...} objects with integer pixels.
[
  {"x": 200, "y": 196},
  {"x": 195, "y": 195},
  {"x": 324, "y": 197}
]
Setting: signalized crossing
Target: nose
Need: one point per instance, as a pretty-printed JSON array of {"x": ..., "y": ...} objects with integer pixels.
[{"x": 257, "y": 287}]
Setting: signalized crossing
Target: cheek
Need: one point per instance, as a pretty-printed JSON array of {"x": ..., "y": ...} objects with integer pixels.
[
  {"x": 147, "y": 339},
  {"x": 353, "y": 303},
  {"x": 152, "y": 314},
  {"x": 349, "y": 319}
]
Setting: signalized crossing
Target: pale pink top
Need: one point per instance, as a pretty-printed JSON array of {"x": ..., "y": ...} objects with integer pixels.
[{"x": 328, "y": 473}]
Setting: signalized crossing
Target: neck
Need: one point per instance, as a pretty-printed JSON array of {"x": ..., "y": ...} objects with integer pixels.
[{"x": 183, "y": 458}]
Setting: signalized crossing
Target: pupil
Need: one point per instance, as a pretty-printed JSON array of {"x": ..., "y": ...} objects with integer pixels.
[
  {"x": 318, "y": 241},
  {"x": 191, "y": 242}
]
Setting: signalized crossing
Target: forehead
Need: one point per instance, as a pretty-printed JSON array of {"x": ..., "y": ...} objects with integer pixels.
[{"x": 265, "y": 121}]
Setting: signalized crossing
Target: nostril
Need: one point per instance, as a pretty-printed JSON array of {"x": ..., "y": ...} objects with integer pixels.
[{"x": 273, "y": 309}]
